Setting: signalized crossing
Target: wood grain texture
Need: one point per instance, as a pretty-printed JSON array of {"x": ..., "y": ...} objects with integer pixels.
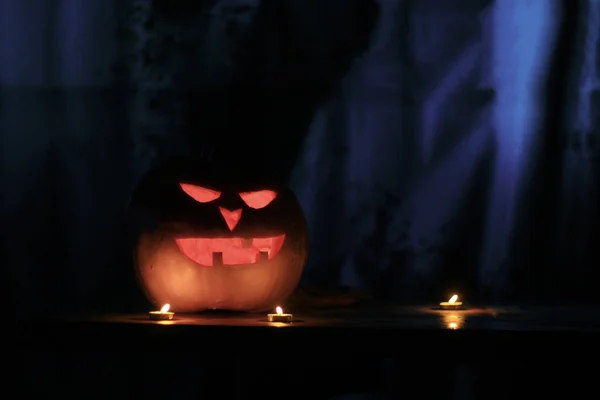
[
  {"x": 387, "y": 317},
  {"x": 413, "y": 336}
]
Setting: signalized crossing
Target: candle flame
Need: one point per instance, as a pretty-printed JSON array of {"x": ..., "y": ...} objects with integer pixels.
[
  {"x": 279, "y": 310},
  {"x": 453, "y": 299},
  {"x": 165, "y": 308},
  {"x": 452, "y": 325}
]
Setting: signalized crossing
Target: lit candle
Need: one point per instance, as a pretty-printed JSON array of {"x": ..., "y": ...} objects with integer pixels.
[
  {"x": 163, "y": 314},
  {"x": 451, "y": 304},
  {"x": 280, "y": 316}
]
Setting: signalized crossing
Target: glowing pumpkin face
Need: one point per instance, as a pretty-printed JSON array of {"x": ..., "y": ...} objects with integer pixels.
[{"x": 202, "y": 245}]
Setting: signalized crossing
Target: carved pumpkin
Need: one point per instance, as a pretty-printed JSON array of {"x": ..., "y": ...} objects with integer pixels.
[{"x": 208, "y": 239}]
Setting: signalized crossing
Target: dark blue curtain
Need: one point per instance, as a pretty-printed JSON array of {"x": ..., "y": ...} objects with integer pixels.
[{"x": 435, "y": 146}]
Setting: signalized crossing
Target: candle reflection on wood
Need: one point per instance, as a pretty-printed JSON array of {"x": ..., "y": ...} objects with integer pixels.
[{"x": 453, "y": 321}]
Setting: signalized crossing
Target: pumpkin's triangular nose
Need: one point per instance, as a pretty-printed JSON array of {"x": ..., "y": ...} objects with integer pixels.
[{"x": 231, "y": 217}]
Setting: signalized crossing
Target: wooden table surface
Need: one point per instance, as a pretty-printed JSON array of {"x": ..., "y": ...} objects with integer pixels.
[
  {"x": 387, "y": 328},
  {"x": 343, "y": 348},
  {"x": 387, "y": 317}
]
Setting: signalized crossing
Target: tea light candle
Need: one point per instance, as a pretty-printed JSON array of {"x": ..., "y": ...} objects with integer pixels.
[
  {"x": 162, "y": 315},
  {"x": 280, "y": 316},
  {"x": 451, "y": 304}
]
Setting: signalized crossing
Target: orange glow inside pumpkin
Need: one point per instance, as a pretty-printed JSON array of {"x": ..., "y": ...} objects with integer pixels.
[
  {"x": 199, "y": 193},
  {"x": 210, "y": 252},
  {"x": 258, "y": 199}
]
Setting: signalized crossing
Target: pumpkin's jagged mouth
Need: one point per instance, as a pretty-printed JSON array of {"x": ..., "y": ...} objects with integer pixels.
[{"x": 210, "y": 252}]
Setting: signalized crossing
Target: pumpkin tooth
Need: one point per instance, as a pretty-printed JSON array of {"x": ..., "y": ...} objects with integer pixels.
[
  {"x": 217, "y": 259},
  {"x": 246, "y": 243},
  {"x": 263, "y": 256}
]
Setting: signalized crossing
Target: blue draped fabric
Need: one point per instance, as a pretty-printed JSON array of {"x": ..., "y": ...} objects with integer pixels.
[
  {"x": 428, "y": 113},
  {"x": 416, "y": 168},
  {"x": 578, "y": 216}
]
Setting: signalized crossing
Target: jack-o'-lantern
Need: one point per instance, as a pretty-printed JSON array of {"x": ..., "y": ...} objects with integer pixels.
[{"x": 208, "y": 238}]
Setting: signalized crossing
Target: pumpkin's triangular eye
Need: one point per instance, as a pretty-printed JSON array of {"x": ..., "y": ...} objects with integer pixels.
[
  {"x": 258, "y": 199},
  {"x": 199, "y": 193}
]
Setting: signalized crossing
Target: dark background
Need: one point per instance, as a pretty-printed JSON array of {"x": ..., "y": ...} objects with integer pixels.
[{"x": 435, "y": 146}]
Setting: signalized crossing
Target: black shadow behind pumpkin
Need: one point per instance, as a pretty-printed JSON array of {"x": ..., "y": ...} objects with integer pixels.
[{"x": 208, "y": 238}]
